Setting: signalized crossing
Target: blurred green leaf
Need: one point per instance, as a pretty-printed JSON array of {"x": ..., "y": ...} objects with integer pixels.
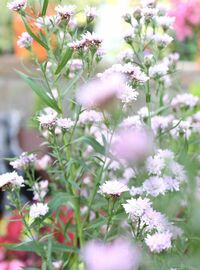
[{"x": 44, "y": 8}]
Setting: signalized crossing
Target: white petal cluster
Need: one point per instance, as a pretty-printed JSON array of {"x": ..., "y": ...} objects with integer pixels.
[
  {"x": 159, "y": 242},
  {"x": 90, "y": 116},
  {"x": 65, "y": 123},
  {"x": 184, "y": 101},
  {"x": 23, "y": 161},
  {"x": 11, "y": 179},
  {"x": 113, "y": 188},
  {"x": 17, "y": 5},
  {"x": 38, "y": 210},
  {"x": 47, "y": 118},
  {"x": 65, "y": 11}
]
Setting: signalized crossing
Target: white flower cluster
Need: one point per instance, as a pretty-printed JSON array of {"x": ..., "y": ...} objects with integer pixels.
[
  {"x": 49, "y": 119},
  {"x": 38, "y": 210},
  {"x": 17, "y": 5},
  {"x": 184, "y": 101},
  {"x": 23, "y": 161},
  {"x": 165, "y": 173},
  {"x": 87, "y": 41},
  {"x": 113, "y": 188},
  {"x": 12, "y": 180}
]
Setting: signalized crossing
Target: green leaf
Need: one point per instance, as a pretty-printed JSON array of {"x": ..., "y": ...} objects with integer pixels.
[
  {"x": 36, "y": 38},
  {"x": 30, "y": 246},
  {"x": 64, "y": 61},
  {"x": 92, "y": 142},
  {"x": 40, "y": 91},
  {"x": 62, "y": 248},
  {"x": 44, "y": 8},
  {"x": 59, "y": 199}
]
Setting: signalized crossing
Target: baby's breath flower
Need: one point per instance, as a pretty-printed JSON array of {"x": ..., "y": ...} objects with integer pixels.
[
  {"x": 17, "y": 5},
  {"x": 113, "y": 188},
  {"x": 165, "y": 21},
  {"x": 25, "y": 40},
  {"x": 38, "y": 210},
  {"x": 162, "y": 40},
  {"x": 47, "y": 118},
  {"x": 40, "y": 190},
  {"x": 184, "y": 101}
]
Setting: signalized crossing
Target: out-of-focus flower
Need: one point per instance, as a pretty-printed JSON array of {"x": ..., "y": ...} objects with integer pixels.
[
  {"x": 117, "y": 255},
  {"x": 159, "y": 242},
  {"x": 11, "y": 180},
  {"x": 47, "y": 118},
  {"x": 23, "y": 161},
  {"x": 38, "y": 210},
  {"x": 184, "y": 101},
  {"x": 128, "y": 95},
  {"x": 65, "y": 12},
  {"x": 132, "y": 145},
  {"x": 99, "y": 92},
  {"x": 165, "y": 21},
  {"x": 162, "y": 40},
  {"x": 42, "y": 163},
  {"x": 40, "y": 190},
  {"x": 17, "y": 5},
  {"x": 158, "y": 70},
  {"x": 90, "y": 116},
  {"x": 187, "y": 17},
  {"x": 113, "y": 188},
  {"x": 25, "y": 40},
  {"x": 90, "y": 13},
  {"x": 65, "y": 123},
  {"x": 48, "y": 21},
  {"x": 12, "y": 265}
]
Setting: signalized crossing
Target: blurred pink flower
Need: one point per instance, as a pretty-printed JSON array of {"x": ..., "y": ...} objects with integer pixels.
[
  {"x": 132, "y": 145},
  {"x": 117, "y": 255},
  {"x": 12, "y": 265},
  {"x": 187, "y": 16},
  {"x": 99, "y": 92}
]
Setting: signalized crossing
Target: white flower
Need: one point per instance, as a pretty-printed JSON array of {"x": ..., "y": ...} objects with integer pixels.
[
  {"x": 162, "y": 40},
  {"x": 66, "y": 11},
  {"x": 128, "y": 95},
  {"x": 184, "y": 101},
  {"x": 158, "y": 70},
  {"x": 65, "y": 123},
  {"x": 131, "y": 122},
  {"x": 136, "y": 208},
  {"x": 181, "y": 128},
  {"x": 40, "y": 190},
  {"x": 129, "y": 173},
  {"x": 25, "y": 40},
  {"x": 155, "y": 186},
  {"x": 134, "y": 73},
  {"x": 165, "y": 21},
  {"x": 48, "y": 21},
  {"x": 90, "y": 116},
  {"x": 149, "y": 12},
  {"x": 38, "y": 210},
  {"x": 24, "y": 160},
  {"x": 148, "y": 3},
  {"x": 90, "y": 13},
  {"x": 47, "y": 118},
  {"x": 159, "y": 242},
  {"x": 161, "y": 123},
  {"x": 143, "y": 112},
  {"x": 113, "y": 188},
  {"x": 17, "y": 5},
  {"x": 11, "y": 179}
]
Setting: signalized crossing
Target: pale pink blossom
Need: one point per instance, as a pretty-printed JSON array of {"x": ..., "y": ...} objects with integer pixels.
[{"x": 159, "y": 242}]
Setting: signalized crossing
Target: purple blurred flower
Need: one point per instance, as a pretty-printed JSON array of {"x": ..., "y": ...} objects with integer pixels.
[{"x": 117, "y": 255}]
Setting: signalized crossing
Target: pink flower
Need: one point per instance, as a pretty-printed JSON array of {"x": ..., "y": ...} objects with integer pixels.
[
  {"x": 42, "y": 164},
  {"x": 99, "y": 92},
  {"x": 187, "y": 16},
  {"x": 132, "y": 145},
  {"x": 12, "y": 265},
  {"x": 117, "y": 255}
]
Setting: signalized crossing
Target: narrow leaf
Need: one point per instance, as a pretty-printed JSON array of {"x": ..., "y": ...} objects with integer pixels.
[
  {"x": 64, "y": 61},
  {"x": 44, "y": 8},
  {"x": 36, "y": 38},
  {"x": 40, "y": 91},
  {"x": 92, "y": 142}
]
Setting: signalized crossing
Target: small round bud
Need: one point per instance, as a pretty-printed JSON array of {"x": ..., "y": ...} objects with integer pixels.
[
  {"x": 137, "y": 14},
  {"x": 127, "y": 17}
]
